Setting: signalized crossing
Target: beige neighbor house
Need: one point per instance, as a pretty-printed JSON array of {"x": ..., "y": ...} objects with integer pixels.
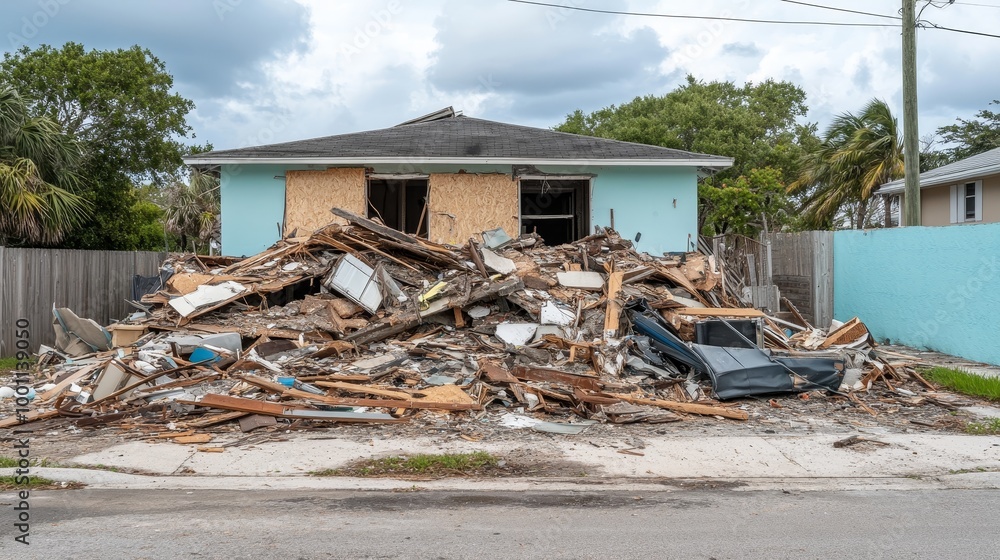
[{"x": 967, "y": 191}]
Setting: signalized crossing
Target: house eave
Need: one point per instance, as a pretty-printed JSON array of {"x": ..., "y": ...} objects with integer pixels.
[
  {"x": 714, "y": 163},
  {"x": 899, "y": 186}
]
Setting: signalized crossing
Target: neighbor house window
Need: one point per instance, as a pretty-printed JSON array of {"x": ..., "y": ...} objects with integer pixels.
[{"x": 967, "y": 202}]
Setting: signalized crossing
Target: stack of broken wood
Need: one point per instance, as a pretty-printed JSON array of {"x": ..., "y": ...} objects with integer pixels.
[{"x": 358, "y": 322}]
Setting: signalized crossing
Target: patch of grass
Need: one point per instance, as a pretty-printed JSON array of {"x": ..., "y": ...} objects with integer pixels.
[
  {"x": 12, "y": 462},
  {"x": 966, "y": 383},
  {"x": 36, "y": 483},
  {"x": 10, "y": 364},
  {"x": 990, "y": 427},
  {"x": 425, "y": 465}
]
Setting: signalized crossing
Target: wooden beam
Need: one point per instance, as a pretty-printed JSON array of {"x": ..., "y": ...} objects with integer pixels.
[
  {"x": 692, "y": 408},
  {"x": 589, "y": 383},
  {"x": 614, "y": 309},
  {"x": 719, "y": 311}
]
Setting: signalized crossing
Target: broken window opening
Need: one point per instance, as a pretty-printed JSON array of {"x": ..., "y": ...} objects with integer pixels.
[
  {"x": 557, "y": 209},
  {"x": 400, "y": 204}
]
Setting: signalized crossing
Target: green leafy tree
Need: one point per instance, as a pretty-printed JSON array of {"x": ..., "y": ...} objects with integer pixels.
[
  {"x": 193, "y": 209},
  {"x": 38, "y": 179},
  {"x": 858, "y": 153},
  {"x": 740, "y": 205},
  {"x": 755, "y": 124},
  {"x": 973, "y": 136},
  {"x": 119, "y": 104}
]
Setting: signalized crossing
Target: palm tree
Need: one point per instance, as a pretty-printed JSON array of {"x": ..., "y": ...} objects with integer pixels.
[
  {"x": 37, "y": 176},
  {"x": 192, "y": 207},
  {"x": 858, "y": 153}
]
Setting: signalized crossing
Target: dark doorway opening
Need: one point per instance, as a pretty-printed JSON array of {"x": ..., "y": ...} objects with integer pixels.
[
  {"x": 557, "y": 209},
  {"x": 399, "y": 204}
]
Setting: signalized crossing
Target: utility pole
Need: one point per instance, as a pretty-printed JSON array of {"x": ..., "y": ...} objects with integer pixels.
[{"x": 911, "y": 146}]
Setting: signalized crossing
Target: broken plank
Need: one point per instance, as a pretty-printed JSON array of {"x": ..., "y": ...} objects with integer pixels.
[
  {"x": 719, "y": 311},
  {"x": 691, "y": 408},
  {"x": 354, "y": 388},
  {"x": 413, "y": 403},
  {"x": 847, "y": 333},
  {"x": 589, "y": 383},
  {"x": 614, "y": 309}
]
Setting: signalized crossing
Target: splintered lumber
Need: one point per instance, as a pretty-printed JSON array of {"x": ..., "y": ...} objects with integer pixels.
[
  {"x": 366, "y": 389},
  {"x": 719, "y": 311},
  {"x": 213, "y": 419},
  {"x": 795, "y": 313},
  {"x": 69, "y": 380},
  {"x": 384, "y": 329},
  {"x": 847, "y": 333},
  {"x": 914, "y": 374},
  {"x": 614, "y": 309},
  {"x": 586, "y": 382},
  {"x": 196, "y": 438},
  {"x": 691, "y": 408},
  {"x": 496, "y": 374},
  {"x": 469, "y": 404},
  {"x": 477, "y": 258},
  {"x": 225, "y": 402},
  {"x": 15, "y": 420}
]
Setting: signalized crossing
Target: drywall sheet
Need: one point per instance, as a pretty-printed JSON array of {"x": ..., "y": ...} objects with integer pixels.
[
  {"x": 462, "y": 205},
  {"x": 309, "y": 195}
]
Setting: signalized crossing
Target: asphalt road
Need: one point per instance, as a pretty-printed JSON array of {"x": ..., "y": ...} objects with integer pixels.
[{"x": 686, "y": 524}]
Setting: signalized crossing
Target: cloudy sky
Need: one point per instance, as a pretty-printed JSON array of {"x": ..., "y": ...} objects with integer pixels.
[{"x": 263, "y": 71}]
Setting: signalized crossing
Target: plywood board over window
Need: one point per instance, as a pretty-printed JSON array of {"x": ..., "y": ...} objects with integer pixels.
[
  {"x": 309, "y": 196},
  {"x": 465, "y": 204}
]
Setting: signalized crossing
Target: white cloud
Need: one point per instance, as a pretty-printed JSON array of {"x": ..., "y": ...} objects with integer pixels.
[{"x": 370, "y": 64}]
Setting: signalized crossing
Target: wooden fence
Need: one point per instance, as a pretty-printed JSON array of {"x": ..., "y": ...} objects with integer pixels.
[
  {"x": 802, "y": 268},
  {"x": 94, "y": 284}
]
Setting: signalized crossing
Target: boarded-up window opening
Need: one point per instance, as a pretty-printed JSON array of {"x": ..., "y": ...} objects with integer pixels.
[
  {"x": 558, "y": 209},
  {"x": 399, "y": 204}
]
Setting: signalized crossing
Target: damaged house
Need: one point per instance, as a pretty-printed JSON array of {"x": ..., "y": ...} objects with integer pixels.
[{"x": 445, "y": 177}]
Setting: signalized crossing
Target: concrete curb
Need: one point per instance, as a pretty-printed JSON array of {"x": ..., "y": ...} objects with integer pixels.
[{"x": 100, "y": 479}]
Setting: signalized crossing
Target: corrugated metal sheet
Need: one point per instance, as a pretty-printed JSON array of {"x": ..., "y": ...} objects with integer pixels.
[{"x": 94, "y": 284}]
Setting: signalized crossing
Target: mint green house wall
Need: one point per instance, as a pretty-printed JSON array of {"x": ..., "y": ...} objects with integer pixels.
[
  {"x": 660, "y": 203},
  {"x": 253, "y": 207},
  {"x": 929, "y": 287}
]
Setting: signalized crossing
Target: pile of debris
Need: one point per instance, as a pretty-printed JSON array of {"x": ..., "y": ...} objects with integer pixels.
[{"x": 363, "y": 323}]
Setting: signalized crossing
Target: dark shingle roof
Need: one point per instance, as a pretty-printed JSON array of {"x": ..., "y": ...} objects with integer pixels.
[{"x": 460, "y": 137}]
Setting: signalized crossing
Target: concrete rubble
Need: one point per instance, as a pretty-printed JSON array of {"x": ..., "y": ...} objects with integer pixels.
[{"x": 362, "y": 323}]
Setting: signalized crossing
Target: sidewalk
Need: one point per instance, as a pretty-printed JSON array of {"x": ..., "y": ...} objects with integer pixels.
[{"x": 747, "y": 462}]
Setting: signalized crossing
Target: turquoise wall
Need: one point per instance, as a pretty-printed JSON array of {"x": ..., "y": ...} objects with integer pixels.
[
  {"x": 253, "y": 206},
  {"x": 661, "y": 203},
  {"x": 931, "y": 287}
]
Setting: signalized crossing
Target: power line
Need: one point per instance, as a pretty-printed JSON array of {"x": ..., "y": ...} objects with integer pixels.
[
  {"x": 714, "y": 18},
  {"x": 977, "y": 5},
  {"x": 842, "y": 9},
  {"x": 925, "y": 25},
  {"x": 929, "y": 25},
  {"x": 920, "y": 23}
]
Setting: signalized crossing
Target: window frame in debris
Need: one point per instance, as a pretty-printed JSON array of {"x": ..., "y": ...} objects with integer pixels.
[
  {"x": 401, "y": 186},
  {"x": 580, "y": 187},
  {"x": 967, "y": 202}
]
